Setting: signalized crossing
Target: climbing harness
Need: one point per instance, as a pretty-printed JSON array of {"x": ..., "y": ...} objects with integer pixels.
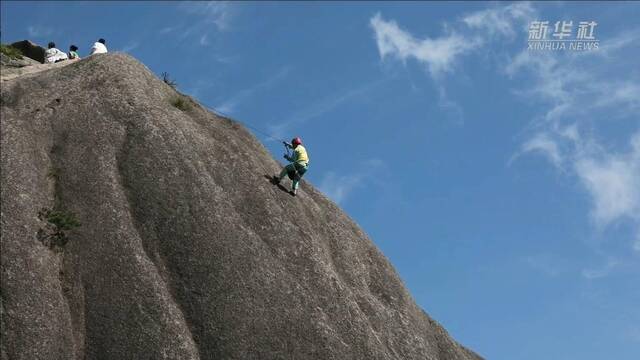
[{"x": 293, "y": 174}]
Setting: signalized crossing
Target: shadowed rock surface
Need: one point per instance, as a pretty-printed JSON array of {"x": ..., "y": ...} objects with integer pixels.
[
  {"x": 30, "y": 50},
  {"x": 186, "y": 250}
]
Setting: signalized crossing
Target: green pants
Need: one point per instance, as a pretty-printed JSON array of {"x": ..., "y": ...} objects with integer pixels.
[{"x": 300, "y": 168}]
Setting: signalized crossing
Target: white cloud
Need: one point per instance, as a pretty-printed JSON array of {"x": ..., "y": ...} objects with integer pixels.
[
  {"x": 130, "y": 46},
  {"x": 501, "y": 20},
  {"x": 601, "y": 272},
  {"x": 575, "y": 84},
  {"x": 338, "y": 187},
  {"x": 544, "y": 145},
  {"x": 437, "y": 54},
  {"x": 204, "y": 21},
  {"x": 633, "y": 334},
  {"x": 616, "y": 43},
  {"x": 166, "y": 30},
  {"x": 549, "y": 264},
  {"x": 613, "y": 183},
  {"x": 217, "y": 13},
  {"x": 323, "y": 106},
  {"x": 573, "y": 89},
  {"x": 555, "y": 82},
  {"x": 229, "y": 105},
  {"x": 203, "y": 40},
  {"x": 450, "y": 106},
  {"x": 440, "y": 54},
  {"x": 36, "y": 31},
  {"x": 576, "y": 91},
  {"x": 611, "y": 179},
  {"x": 570, "y": 133},
  {"x": 623, "y": 94}
]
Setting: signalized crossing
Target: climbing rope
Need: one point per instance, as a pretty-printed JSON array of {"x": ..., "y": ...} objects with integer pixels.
[
  {"x": 220, "y": 113},
  {"x": 286, "y": 145}
]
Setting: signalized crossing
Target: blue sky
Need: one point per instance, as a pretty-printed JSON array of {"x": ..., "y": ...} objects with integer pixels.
[{"x": 502, "y": 183}]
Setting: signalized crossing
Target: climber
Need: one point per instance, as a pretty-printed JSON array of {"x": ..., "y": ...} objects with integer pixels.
[
  {"x": 299, "y": 164},
  {"x": 73, "y": 53},
  {"x": 99, "y": 47},
  {"x": 53, "y": 55}
]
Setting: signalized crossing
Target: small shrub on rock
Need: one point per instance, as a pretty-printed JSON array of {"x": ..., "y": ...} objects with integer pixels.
[
  {"x": 53, "y": 234},
  {"x": 169, "y": 81}
]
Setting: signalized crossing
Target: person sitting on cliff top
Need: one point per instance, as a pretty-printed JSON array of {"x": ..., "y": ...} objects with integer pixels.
[
  {"x": 53, "y": 55},
  {"x": 298, "y": 167},
  {"x": 99, "y": 47},
  {"x": 73, "y": 53}
]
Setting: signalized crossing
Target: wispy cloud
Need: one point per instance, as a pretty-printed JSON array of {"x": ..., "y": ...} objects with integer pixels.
[
  {"x": 167, "y": 30},
  {"x": 548, "y": 264},
  {"x": 613, "y": 181},
  {"x": 37, "y": 31},
  {"x": 501, "y": 20},
  {"x": 132, "y": 45},
  {"x": 338, "y": 187},
  {"x": 449, "y": 106},
  {"x": 603, "y": 271},
  {"x": 217, "y": 13},
  {"x": 564, "y": 85},
  {"x": 204, "y": 41},
  {"x": 228, "y": 106},
  {"x": 633, "y": 334},
  {"x": 438, "y": 54},
  {"x": 204, "y": 20},
  {"x": 323, "y": 106},
  {"x": 576, "y": 91},
  {"x": 544, "y": 145}
]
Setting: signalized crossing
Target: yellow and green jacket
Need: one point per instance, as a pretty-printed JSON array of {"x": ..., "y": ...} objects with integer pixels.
[{"x": 300, "y": 155}]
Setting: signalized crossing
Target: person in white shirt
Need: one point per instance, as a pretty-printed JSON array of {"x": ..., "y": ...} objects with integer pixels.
[
  {"x": 99, "y": 47},
  {"x": 53, "y": 55}
]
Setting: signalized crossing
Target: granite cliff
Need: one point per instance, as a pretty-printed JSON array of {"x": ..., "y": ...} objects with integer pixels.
[{"x": 169, "y": 240}]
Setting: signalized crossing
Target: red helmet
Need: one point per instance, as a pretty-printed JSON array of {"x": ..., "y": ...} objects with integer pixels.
[{"x": 296, "y": 141}]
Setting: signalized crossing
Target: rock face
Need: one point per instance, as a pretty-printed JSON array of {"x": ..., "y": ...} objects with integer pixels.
[
  {"x": 16, "y": 68},
  {"x": 185, "y": 249},
  {"x": 30, "y": 50},
  {"x": 7, "y": 62}
]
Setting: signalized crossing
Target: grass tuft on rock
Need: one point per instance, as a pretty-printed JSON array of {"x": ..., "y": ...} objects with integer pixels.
[
  {"x": 11, "y": 52},
  {"x": 181, "y": 103}
]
